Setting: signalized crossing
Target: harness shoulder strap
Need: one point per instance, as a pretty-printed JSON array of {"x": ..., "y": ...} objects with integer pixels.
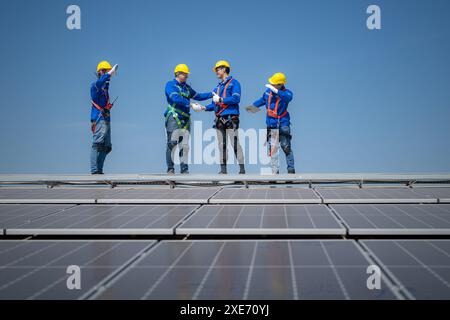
[
  {"x": 224, "y": 95},
  {"x": 182, "y": 93},
  {"x": 274, "y": 113}
]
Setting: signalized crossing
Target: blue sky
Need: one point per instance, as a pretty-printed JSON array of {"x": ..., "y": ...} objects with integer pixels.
[{"x": 365, "y": 101}]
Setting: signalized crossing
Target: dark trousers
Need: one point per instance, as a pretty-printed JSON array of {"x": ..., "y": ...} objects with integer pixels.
[
  {"x": 227, "y": 131},
  {"x": 177, "y": 137}
]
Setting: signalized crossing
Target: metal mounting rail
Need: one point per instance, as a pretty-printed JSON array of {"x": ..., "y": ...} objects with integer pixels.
[{"x": 52, "y": 180}]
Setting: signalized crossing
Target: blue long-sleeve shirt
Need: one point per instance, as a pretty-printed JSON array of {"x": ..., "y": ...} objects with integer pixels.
[
  {"x": 178, "y": 95},
  {"x": 232, "y": 97},
  {"x": 285, "y": 96},
  {"x": 100, "y": 95}
]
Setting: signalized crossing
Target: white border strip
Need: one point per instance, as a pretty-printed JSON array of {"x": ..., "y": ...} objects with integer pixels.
[
  {"x": 377, "y": 201},
  {"x": 260, "y": 231},
  {"x": 47, "y": 201},
  {"x": 92, "y": 231},
  {"x": 152, "y": 201},
  {"x": 265, "y": 201}
]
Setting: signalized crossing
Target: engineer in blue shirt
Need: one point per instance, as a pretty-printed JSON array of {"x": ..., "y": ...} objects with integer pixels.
[
  {"x": 101, "y": 116},
  {"x": 225, "y": 105},
  {"x": 276, "y": 99},
  {"x": 178, "y": 117}
]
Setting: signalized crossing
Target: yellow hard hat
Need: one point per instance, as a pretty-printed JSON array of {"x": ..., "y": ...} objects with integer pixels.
[
  {"x": 181, "y": 68},
  {"x": 221, "y": 63},
  {"x": 103, "y": 65},
  {"x": 278, "y": 78}
]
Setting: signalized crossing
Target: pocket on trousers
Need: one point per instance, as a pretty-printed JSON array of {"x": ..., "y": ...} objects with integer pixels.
[
  {"x": 99, "y": 134},
  {"x": 285, "y": 131}
]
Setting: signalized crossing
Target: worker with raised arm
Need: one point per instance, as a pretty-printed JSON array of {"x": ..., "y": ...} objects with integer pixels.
[
  {"x": 178, "y": 117},
  {"x": 101, "y": 116},
  {"x": 226, "y": 98},
  {"x": 276, "y": 99}
]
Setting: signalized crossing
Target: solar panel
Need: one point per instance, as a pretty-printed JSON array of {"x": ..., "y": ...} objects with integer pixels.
[
  {"x": 107, "y": 220},
  {"x": 262, "y": 220},
  {"x": 296, "y": 269},
  {"x": 55, "y": 195},
  {"x": 15, "y": 215},
  {"x": 265, "y": 195},
  {"x": 421, "y": 267},
  {"x": 395, "y": 219},
  {"x": 161, "y": 195},
  {"x": 442, "y": 193},
  {"x": 373, "y": 195},
  {"x": 38, "y": 269}
]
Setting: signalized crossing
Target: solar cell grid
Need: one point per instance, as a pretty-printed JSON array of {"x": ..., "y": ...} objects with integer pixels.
[
  {"x": 161, "y": 195},
  {"x": 103, "y": 219},
  {"x": 247, "y": 270},
  {"x": 56, "y": 195},
  {"x": 16, "y": 215},
  {"x": 442, "y": 193},
  {"x": 38, "y": 269},
  {"x": 262, "y": 219},
  {"x": 373, "y": 195},
  {"x": 265, "y": 195},
  {"x": 395, "y": 219},
  {"x": 421, "y": 267}
]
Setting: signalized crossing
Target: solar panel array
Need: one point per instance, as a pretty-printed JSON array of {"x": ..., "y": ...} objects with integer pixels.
[
  {"x": 39, "y": 269},
  {"x": 107, "y": 220},
  {"x": 262, "y": 220},
  {"x": 395, "y": 219},
  {"x": 421, "y": 267},
  {"x": 255, "y": 270},
  {"x": 374, "y": 195},
  {"x": 185, "y": 254},
  {"x": 265, "y": 195}
]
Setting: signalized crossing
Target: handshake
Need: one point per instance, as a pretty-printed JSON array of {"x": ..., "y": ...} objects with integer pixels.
[{"x": 198, "y": 107}]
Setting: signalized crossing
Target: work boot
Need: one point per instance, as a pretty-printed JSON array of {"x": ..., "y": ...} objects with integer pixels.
[
  {"x": 290, "y": 171},
  {"x": 241, "y": 169},
  {"x": 223, "y": 169},
  {"x": 171, "y": 171}
]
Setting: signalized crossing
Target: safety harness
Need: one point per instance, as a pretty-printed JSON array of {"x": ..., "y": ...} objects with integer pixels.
[
  {"x": 224, "y": 95},
  {"x": 273, "y": 113},
  {"x": 181, "y": 117},
  {"x": 103, "y": 112}
]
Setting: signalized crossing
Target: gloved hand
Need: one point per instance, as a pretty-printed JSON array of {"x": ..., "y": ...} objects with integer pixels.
[
  {"x": 271, "y": 87},
  {"x": 113, "y": 71},
  {"x": 216, "y": 98},
  {"x": 252, "y": 109},
  {"x": 197, "y": 107}
]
